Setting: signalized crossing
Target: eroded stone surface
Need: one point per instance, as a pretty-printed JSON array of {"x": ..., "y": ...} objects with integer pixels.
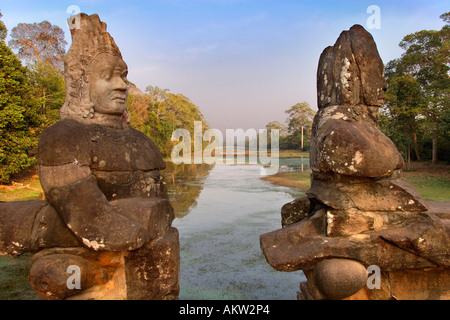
[
  {"x": 152, "y": 273},
  {"x": 100, "y": 147},
  {"x": 351, "y": 72},
  {"x": 16, "y": 222},
  {"x": 295, "y": 211}
]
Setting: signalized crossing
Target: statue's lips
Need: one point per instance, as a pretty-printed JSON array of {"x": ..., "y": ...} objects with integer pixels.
[{"x": 121, "y": 99}]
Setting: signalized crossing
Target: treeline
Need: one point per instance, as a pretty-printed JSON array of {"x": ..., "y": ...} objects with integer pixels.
[
  {"x": 158, "y": 112},
  {"x": 296, "y": 134},
  {"x": 30, "y": 97},
  {"x": 32, "y": 91},
  {"x": 416, "y": 115}
]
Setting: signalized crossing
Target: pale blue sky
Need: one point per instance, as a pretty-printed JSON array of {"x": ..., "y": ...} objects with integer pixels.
[{"x": 242, "y": 62}]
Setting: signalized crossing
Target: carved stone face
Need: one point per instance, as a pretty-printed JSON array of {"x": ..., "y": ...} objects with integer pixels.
[{"x": 108, "y": 87}]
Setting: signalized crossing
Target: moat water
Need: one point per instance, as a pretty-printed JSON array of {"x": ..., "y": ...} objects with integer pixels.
[{"x": 221, "y": 212}]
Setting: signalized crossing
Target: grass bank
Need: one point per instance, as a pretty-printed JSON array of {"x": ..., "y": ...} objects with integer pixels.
[
  {"x": 295, "y": 179},
  {"x": 24, "y": 186},
  {"x": 432, "y": 181},
  {"x": 14, "y": 283},
  {"x": 293, "y": 154}
]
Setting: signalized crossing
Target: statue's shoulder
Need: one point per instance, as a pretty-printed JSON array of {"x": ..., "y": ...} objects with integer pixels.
[
  {"x": 144, "y": 153},
  {"x": 98, "y": 147},
  {"x": 123, "y": 150},
  {"x": 64, "y": 142}
]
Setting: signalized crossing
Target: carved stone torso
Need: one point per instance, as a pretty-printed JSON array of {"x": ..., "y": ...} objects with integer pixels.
[
  {"x": 125, "y": 162},
  {"x": 346, "y": 140}
]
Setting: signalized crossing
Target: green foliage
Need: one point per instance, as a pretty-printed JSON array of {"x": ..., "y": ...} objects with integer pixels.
[
  {"x": 30, "y": 99},
  {"x": 283, "y": 137},
  {"x": 297, "y": 134},
  {"x": 182, "y": 113},
  {"x": 19, "y": 121},
  {"x": 49, "y": 90},
  {"x": 299, "y": 125},
  {"x": 300, "y": 115},
  {"x": 157, "y": 113},
  {"x": 3, "y": 29},
  {"x": 401, "y": 121},
  {"x": 418, "y": 96}
]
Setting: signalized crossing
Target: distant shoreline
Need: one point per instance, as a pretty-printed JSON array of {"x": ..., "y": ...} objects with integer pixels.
[
  {"x": 281, "y": 154},
  {"x": 298, "y": 180}
]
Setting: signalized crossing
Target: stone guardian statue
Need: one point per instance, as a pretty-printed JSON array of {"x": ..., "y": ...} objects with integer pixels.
[
  {"x": 359, "y": 214},
  {"x": 107, "y": 213}
]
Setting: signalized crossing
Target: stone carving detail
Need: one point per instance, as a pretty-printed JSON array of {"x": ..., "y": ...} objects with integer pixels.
[
  {"x": 358, "y": 211},
  {"x": 106, "y": 210}
]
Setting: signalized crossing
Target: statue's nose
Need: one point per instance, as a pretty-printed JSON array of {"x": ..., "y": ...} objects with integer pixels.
[{"x": 119, "y": 84}]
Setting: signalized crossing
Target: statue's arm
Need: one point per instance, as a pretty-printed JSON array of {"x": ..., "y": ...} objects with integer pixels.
[
  {"x": 61, "y": 176},
  {"x": 73, "y": 191}
]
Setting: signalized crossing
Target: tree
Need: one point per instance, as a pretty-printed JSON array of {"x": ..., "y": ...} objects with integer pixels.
[
  {"x": 405, "y": 104},
  {"x": 182, "y": 113},
  {"x": 427, "y": 60},
  {"x": 300, "y": 116},
  {"x": 157, "y": 113},
  {"x": 50, "y": 91},
  {"x": 39, "y": 42},
  {"x": 276, "y": 125},
  {"x": 158, "y": 97},
  {"x": 3, "y": 29},
  {"x": 144, "y": 117},
  {"x": 19, "y": 122}
]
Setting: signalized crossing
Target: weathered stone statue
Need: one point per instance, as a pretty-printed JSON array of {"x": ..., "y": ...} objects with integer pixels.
[
  {"x": 107, "y": 215},
  {"x": 359, "y": 213}
]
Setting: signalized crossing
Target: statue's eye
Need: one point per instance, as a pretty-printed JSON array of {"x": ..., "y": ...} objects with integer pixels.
[
  {"x": 124, "y": 75},
  {"x": 105, "y": 75}
]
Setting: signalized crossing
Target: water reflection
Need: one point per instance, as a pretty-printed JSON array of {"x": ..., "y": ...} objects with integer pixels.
[{"x": 184, "y": 184}]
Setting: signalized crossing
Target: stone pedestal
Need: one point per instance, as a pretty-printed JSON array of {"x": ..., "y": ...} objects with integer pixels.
[{"x": 148, "y": 273}]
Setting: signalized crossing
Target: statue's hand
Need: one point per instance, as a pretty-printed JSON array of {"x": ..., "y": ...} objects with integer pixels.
[{"x": 88, "y": 214}]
